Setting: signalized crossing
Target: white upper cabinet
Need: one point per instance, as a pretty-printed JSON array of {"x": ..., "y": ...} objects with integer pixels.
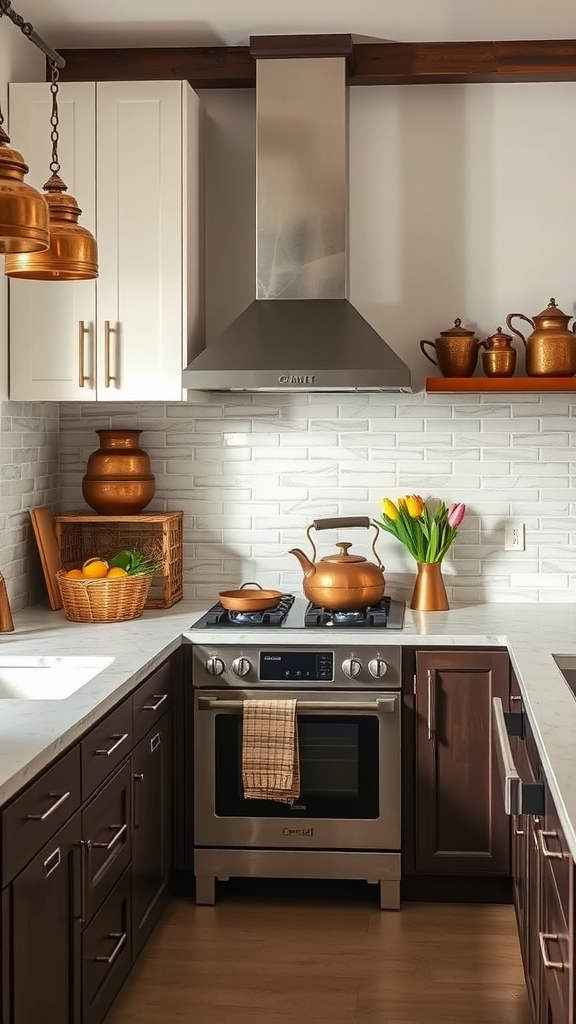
[{"x": 130, "y": 155}]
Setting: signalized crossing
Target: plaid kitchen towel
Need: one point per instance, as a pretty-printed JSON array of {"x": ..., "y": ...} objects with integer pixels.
[{"x": 270, "y": 756}]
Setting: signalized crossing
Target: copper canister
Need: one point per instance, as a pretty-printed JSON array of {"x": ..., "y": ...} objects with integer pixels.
[
  {"x": 499, "y": 359},
  {"x": 118, "y": 478}
]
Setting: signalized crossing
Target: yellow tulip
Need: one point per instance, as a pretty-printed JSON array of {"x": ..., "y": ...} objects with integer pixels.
[
  {"x": 402, "y": 504},
  {"x": 389, "y": 509},
  {"x": 414, "y": 505}
]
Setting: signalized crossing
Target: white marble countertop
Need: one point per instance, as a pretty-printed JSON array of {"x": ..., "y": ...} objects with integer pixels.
[{"x": 32, "y": 733}]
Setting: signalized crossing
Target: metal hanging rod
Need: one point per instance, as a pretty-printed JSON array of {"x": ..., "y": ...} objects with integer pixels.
[{"x": 28, "y": 30}]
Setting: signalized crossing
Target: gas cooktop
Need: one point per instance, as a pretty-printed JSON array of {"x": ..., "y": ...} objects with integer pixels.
[{"x": 297, "y": 613}]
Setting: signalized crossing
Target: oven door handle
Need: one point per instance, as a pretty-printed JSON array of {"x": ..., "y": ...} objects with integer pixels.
[{"x": 381, "y": 704}]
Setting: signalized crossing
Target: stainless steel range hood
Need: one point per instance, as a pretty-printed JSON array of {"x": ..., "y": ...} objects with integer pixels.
[{"x": 301, "y": 333}]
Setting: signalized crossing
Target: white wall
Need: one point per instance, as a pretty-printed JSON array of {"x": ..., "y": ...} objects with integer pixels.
[{"x": 462, "y": 204}]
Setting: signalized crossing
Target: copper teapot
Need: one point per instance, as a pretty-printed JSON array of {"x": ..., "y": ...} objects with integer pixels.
[
  {"x": 342, "y": 582},
  {"x": 499, "y": 359},
  {"x": 551, "y": 348},
  {"x": 456, "y": 351}
]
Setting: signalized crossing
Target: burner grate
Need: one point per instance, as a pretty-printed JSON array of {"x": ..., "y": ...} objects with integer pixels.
[
  {"x": 219, "y": 616},
  {"x": 376, "y": 615}
]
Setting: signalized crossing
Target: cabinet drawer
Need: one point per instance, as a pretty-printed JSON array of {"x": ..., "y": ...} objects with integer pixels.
[
  {"x": 106, "y": 827},
  {"x": 152, "y": 700},
  {"x": 555, "y": 853},
  {"x": 105, "y": 747},
  {"x": 35, "y": 816},
  {"x": 556, "y": 952},
  {"x": 106, "y": 953}
]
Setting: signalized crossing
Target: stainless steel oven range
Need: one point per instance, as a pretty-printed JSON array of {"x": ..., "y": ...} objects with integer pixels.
[{"x": 346, "y": 822}]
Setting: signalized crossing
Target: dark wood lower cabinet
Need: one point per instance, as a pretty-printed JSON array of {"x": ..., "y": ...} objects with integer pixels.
[
  {"x": 152, "y": 829},
  {"x": 106, "y": 953},
  {"x": 41, "y": 935},
  {"x": 460, "y": 824}
]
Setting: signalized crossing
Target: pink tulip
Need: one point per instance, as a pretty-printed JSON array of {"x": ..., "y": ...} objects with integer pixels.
[{"x": 456, "y": 514}]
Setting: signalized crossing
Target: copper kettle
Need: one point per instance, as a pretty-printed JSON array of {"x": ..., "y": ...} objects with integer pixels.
[
  {"x": 342, "y": 582},
  {"x": 551, "y": 348},
  {"x": 456, "y": 351}
]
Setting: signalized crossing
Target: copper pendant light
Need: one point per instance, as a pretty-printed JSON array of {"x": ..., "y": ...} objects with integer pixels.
[
  {"x": 23, "y": 210},
  {"x": 73, "y": 253}
]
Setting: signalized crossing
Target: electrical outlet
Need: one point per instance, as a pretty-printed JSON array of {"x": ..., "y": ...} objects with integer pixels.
[{"x": 514, "y": 536}]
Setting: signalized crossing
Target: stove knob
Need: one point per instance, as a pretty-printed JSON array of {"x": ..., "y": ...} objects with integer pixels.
[
  {"x": 241, "y": 666},
  {"x": 215, "y": 666},
  {"x": 377, "y": 667},
  {"x": 351, "y": 667}
]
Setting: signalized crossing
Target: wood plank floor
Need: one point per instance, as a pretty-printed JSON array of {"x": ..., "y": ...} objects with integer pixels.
[{"x": 303, "y": 957}]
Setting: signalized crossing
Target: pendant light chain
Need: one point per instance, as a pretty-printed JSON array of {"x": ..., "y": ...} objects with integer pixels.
[{"x": 54, "y": 120}]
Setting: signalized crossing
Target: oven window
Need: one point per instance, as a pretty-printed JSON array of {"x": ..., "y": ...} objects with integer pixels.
[{"x": 338, "y": 769}]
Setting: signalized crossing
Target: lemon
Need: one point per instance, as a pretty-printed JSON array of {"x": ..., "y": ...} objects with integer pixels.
[
  {"x": 95, "y": 568},
  {"x": 116, "y": 573}
]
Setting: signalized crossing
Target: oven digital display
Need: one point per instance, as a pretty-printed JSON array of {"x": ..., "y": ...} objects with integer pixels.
[{"x": 296, "y": 666}]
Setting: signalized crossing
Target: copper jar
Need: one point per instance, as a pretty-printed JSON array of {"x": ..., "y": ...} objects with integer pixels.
[
  {"x": 456, "y": 351},
  {"x": 118, "y": 478},
  {"x": 499, "y": 359}
]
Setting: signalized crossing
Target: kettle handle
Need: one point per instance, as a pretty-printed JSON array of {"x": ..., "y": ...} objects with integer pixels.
[
  {"x": 345, "y": 522},
  {"x": 520, "y": 316},
  {"x": 432, "y": 345}
]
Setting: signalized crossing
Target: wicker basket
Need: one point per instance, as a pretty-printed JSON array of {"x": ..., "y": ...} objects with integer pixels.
[{"x": 104, "y": 600}]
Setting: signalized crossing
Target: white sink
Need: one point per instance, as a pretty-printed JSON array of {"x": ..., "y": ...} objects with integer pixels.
[{"x": 34, "y": 678}]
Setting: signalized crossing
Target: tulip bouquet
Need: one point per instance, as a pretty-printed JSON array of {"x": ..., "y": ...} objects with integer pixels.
[{"x": 426, "y": 534}]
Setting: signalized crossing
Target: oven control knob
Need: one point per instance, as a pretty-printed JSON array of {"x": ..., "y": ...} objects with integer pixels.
[
  {"x": 351, "y": 667},
  {"x": 215, "y": 666},
  {"x": 377, "y": 667},
  {"x": 241, "y": 667}
]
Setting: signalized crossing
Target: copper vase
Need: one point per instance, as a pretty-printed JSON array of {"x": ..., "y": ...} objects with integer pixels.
[
  {"x": 118, "y": 478},
  {"x": 429, "y": 590}
]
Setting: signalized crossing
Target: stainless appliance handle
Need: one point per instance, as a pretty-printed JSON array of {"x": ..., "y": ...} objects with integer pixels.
[
  {"x": 379, "y": 705},
  {"x": 519, "y": 797}
]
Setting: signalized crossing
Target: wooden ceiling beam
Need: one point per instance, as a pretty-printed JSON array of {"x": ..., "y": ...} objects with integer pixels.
[{"x": 232, "y": 67}]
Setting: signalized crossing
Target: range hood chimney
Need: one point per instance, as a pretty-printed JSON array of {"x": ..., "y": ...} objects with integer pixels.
[{"x": 301, "y": 333}]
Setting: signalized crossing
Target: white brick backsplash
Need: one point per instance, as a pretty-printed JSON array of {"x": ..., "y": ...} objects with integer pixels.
[{"x": 252, "y": 471}]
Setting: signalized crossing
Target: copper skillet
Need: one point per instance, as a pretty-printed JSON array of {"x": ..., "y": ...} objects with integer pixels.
[{"x": 249, "y": 601}]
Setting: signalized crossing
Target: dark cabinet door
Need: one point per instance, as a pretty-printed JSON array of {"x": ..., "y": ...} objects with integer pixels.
[
  {"x": 41, "y": 928},
  {"x": 461, "y": 827},
  {"x": 152, "y": 779},
  {"x": 106, "y": 834},
  {"x": 106, "y": 953}
]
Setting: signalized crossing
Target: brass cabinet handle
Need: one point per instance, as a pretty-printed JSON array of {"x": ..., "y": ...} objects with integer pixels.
[
  {"x": 83, "y": 378},
  {"x": 552, "y": 965},
  {"x": 121, "y": 936},
  {"x": 160, "y": 698},
  {"x": 108, "y": 330},
  {"x": 546, "y": 851},
  {"x": 110, "y": 750},
  {"x": 120, "y": 831},
  {"x": 58, "y": 803}
]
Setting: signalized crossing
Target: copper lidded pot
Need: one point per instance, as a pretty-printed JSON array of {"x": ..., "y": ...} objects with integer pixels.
[
  {"x": 499, "y": 359},
  {"x": 456, "y": 351},
  {"x": 341, "y": 582},
  {"x": 551, "y": 348},
  {"x": 118, "y": 479}
]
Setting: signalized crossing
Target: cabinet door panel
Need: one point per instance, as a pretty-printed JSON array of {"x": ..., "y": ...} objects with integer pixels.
[
  {"x": 106, "y": 953},
  {"x": 461, "y": 827},
  {"x": 140, "y": 235},
  {"x": 151, "y": 851},
  {"x": 106, "y": 824},
  {"x": 40, "y": 966},
  {"x": 45, "y": 316}
]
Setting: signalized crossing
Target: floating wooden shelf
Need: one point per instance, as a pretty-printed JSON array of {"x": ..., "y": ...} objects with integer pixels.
[{"x": 502, "y": 385}]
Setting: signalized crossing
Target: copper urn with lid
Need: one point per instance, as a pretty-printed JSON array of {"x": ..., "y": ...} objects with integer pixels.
[
  {"x": 118, "y": 479},
  {"x": 499, "y": 359},
  {"x": 551, "y": 348},
  {"x": 456, "y": 351}
]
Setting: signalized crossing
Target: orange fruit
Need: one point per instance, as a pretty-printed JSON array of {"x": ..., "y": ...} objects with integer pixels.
[
  {"x": 116, "y": 573},
  {"x": 95, "y": 569},
  {"x": 75, "y": 574}
]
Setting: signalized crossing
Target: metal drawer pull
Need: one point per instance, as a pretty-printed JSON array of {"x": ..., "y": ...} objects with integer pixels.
[
  {"x": 155, "y": 742},
  {"x": 388, "y": 704},
  {"x": 549, "y": 854},
  {"x": 121, "y": 829},
  {"x": 42, "y": 817},
  {"x": 514, "y": 698},
  {"x": 552, "y": 965},
  {"x": 51, "y": 862},
  {"x": 121, "y": 936},
  {"x": 119, "y": 739},
  {"x": 138, "y": 778},
  {"x": 518, "y": 831},
  {"x": 159, "y": 700},
  {"x": 429, "y": 704}
]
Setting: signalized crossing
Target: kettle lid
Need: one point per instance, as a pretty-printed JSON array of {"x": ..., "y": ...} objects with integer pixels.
[
  {"x": 343, "y": 555},
  {"x": 553, "y": 312},
  {"x": 457, "y": 331}
]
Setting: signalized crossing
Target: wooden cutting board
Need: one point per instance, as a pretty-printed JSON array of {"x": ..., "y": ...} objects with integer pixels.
[{"x": 43, "y": 525}]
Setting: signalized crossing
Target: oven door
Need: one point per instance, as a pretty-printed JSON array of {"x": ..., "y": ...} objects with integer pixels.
[{"x": 349, "y": 767}]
